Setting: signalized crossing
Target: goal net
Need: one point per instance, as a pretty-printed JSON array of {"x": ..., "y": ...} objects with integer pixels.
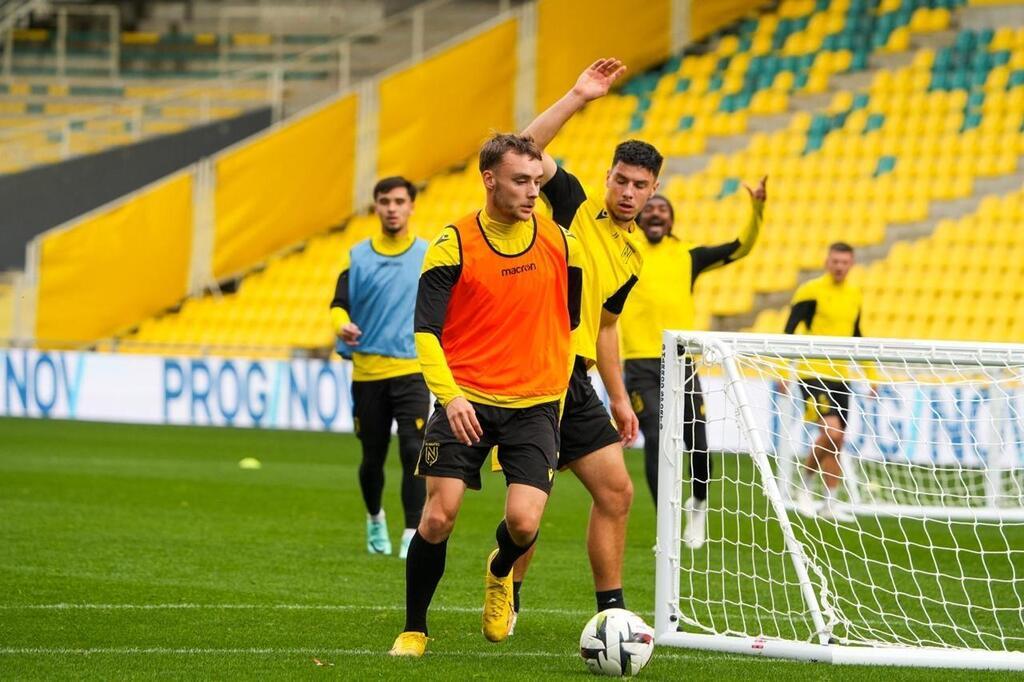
[{"x": 906, "y": 547}]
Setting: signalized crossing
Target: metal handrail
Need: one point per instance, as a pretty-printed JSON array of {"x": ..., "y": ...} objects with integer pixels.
[
  {"x": 258, "y": 72},
  {"x": 12, "y": 10}
]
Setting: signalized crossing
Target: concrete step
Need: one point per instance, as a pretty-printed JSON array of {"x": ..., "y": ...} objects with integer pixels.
[
  {"x": 802, "y": 102},
  {"x": 807, "y": 102},
  {"x": 938, "y": 210}
]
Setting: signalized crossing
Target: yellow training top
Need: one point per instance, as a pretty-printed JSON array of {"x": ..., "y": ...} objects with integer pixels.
[
  {"x": 612, "y": 260},
  {"x": 823, "y": 308},
  {"x": 663, "y": 298}
]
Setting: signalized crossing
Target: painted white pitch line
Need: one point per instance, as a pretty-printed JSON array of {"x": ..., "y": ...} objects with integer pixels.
[
  {"x": 194, "y": 651},
  {"x": 260, "y": 607},
  {"x": 185, "y": 606}
]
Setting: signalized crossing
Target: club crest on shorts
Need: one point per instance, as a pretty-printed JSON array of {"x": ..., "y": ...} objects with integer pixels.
[{"x": 430, "y": 453}]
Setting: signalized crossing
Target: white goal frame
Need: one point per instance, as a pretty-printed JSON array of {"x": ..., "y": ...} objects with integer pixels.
[{"x": 722, "y": 349}]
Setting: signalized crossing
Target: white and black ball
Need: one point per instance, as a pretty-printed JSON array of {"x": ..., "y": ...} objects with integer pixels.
[{"x": 617, "y": 643}]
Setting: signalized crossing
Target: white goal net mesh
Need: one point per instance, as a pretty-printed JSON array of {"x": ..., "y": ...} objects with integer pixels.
[{"x": 912, "y": 536}]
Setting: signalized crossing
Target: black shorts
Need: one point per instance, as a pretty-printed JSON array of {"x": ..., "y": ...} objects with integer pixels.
[
  {"x": 643, "y": 382},
  {"x": 825, "y": 397},
  {"x": 375, "y": 404},
  {"x": 527, "y": 440},
  {"x": 586, "y": 425}
]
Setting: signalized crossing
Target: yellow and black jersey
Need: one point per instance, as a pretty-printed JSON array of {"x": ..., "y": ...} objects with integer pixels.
[
  {"x": 478, "y": 328},
  {"x": 822, "y": 307},
  {"x": 612, "y": 260},
  {"x": 663, "y": 298}
]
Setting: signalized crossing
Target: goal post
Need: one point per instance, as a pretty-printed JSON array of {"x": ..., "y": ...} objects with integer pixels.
[{"x": 910, "y": 553}]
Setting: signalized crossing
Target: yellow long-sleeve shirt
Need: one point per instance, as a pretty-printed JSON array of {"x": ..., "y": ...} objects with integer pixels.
[
  {"x": 823, "y": 307},
  {"x": 663, "y": 297}
]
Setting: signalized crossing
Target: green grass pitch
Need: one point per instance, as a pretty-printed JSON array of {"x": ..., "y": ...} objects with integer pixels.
[{"x": 141, "y": 552}]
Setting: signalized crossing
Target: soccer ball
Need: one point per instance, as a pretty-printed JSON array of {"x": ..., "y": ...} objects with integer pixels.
[{"x": 617, "y": 643}]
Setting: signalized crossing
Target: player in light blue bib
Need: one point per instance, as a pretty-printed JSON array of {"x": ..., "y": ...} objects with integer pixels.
[{"x": 372, "y": 312}]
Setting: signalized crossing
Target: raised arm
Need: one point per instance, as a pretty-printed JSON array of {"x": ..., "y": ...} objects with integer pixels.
[
  {"x": 592, "y": 84},
  {"x": 707, "y": 258}
]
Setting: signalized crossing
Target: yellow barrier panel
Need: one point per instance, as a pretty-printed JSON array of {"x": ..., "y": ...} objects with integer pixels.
[
  {"x": 708, "y": 17},
  {"x": 571, "y": 34},
  {"x": 286, "y": 186},
  {"x": 437, "y": 113},
  {"x": 116, "y": 268}
]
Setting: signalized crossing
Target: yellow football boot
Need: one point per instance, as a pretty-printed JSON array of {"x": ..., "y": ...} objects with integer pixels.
[
  {"x": 497, "y": 618},
  {"x": 409, "y": 644}
]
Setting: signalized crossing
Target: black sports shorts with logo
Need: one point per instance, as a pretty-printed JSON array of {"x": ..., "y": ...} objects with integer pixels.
[
  {"x": 825, "y": 397},
  {"x": 404, "y": 399},
  {"x": 586, "y": 425},
  {"x": 526, "y": 437}
]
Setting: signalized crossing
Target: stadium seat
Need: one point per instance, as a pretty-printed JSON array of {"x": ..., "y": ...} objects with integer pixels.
[{"x": 868, "y": 159}]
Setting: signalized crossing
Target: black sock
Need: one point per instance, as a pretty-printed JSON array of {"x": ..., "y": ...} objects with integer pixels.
[
  {"x": 700, "y": 469},
  {"x": 651, "y": 467},
  {"x": 508, "y": 551},
  {"x": 610, "y": 599},
  {"x": 423, "y": 570},
  {"x": 516, "y": 586}
]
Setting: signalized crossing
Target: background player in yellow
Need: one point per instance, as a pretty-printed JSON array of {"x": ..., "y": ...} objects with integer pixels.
[
  {"x": 604, "y": 225},
  {"x": 663, "y": 299},
  {"x": 372, "y": 312},
  {"x": 829, "y": 305},
  {"x": 498, "y": 298}
]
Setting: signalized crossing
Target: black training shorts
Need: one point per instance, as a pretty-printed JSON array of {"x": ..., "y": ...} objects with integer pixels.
[
  {"x": 586, "y": 425},
  {"x": 527, "y": 440},
  {"x": 825, "y": 397}
]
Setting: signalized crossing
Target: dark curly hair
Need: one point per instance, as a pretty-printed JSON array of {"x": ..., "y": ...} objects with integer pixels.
[{"x": 639, "y": 153}]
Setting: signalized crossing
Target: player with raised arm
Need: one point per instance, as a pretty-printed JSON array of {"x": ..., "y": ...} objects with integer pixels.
[
  {"x": 828, "y": 305},
  {"x": 605, "y": 227},
  {"x": 498, "y": 298},
  {"x": 663, "y": 299},
  {"x": 372, "y": 312}
]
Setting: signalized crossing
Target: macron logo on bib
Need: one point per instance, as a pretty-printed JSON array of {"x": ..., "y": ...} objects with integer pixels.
[{"x": 519, "y": 269}]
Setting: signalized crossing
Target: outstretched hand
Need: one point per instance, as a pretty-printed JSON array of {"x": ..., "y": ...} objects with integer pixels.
[
  {"x": 598, "y": 78},
  {"x": 759, "y": 193}
]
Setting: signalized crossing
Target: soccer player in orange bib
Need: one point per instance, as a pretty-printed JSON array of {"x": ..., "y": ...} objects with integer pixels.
[{"x": 498, "y": 297}]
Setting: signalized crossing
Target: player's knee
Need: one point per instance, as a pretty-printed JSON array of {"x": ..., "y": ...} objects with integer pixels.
[
  {"x": 834, "y": 437},
  {"x": 523, "y": 526},
  {"x": 616, "y": 497},
  {"x": 436, "y": 523},
  {"x": 409, "y": 451}
]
